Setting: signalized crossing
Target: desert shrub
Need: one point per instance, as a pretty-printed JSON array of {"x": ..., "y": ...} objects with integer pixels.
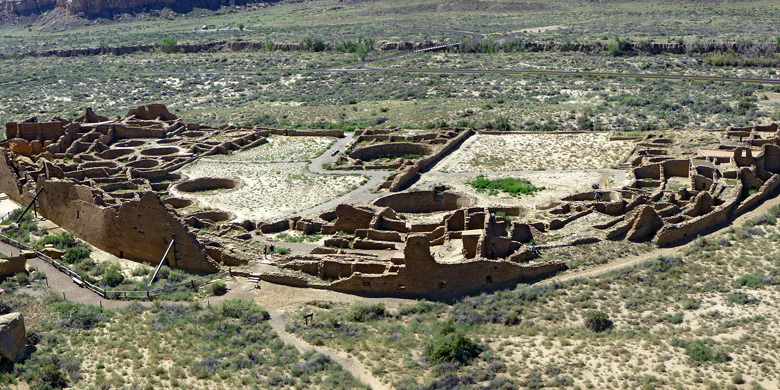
[
  {"x": 665, "y": 263},
  {"x": 246, "y": 310},
  {"x": 218, "y": 288},
  {"x": 419, "y": 307},
  {"x": 597, "y": 321},
  {"x": 741, "y": 298},
  {"x": 676, "y": 318},
  {"x": 47, "y": 375},
  {"x": 269, "y": 45},
  {"x": 584, "y": 123},
  {"x": 704, "y": 351},
  {"x": 749, "y": 280},
  {"x": 76, "y": 254},
  {"x": 314, "y": 362},
  {"x": 691, "y": 304},
  {"x": 62, "y": 240},
  {"x": 113, "y": 277},
  {"x": 77, "y": 316},
  {"x": 280, "y": 250},
  {"x": 363, "y": 312},
  {"x": 451, "y": 346}
]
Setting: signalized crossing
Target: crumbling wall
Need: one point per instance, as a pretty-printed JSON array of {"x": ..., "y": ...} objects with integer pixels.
[
  {"x": 423, "y": 276},
  {"x": 137, "y": 229}
]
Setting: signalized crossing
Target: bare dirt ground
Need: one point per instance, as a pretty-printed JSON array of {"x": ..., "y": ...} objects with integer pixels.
[
  {"x": 270, "y": 190},
  {"x": 520, "y": 152},
  {"x": 280, "y": 148},
  {"x": 557, "y": 184}
]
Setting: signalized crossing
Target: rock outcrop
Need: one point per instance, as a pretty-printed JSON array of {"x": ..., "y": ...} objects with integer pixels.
[{"x": 12, "y": 336}]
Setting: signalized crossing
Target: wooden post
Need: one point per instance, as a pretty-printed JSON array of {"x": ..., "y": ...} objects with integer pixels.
[
  {"x": 63, "y": 295},
  {"x": 101, "y": 304},
  {"x": 308, "y": 317}
]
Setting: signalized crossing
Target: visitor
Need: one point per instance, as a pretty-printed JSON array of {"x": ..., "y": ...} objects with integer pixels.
[
  {"x": 533, "y": 248},
  {"x": 271, "y": 251}
]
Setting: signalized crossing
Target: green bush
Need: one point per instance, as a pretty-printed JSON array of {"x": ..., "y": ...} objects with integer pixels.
[
  {"x": 170, "y": 45},
  {"x": 703, "y": 351},
  {"x": 451, "y": 346},
  {"x": 740, "y": 298},
  {"x": 113, "y": 278},
  {"x": 510, "y": 185},
  {"x": 364, "y": 312},
  {"x": 419, "y": 307},
  {"x": 76, "y": 254},
  {"x": 269, "y": 45},
  {"x": 750, "y": 281},
  {"x": 62, "y": 240},
  {"x": 246, "y": 310},
  {"x": 597, "y": 321},
  {"x": 218, "y": 288},
  {"x": 77, "y": 316}
]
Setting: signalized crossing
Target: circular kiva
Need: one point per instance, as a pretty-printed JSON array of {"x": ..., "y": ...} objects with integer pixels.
[
  {"x": 396, "y": 149},
  {"x": 426, "y": 201},
  {"x": 214, "y": 215},
  {"x": 143, "y": 163},
  {"x": 111, "y": 154},
  {"x": 164, "y": 151},
  {"x": 208, "y": 184},
  {"x": 179, "y": 203},
  {"x": 168, "y": 141},
  {"x": 130, "y": 144}
]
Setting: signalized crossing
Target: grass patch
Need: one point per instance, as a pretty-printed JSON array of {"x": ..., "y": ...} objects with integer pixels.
[{"x": 513, "y": 186}]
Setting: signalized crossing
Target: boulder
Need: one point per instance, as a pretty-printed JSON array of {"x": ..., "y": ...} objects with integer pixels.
[
  {"x": 20, "y": 146},
  {"x": 10, "y": 266},
  {"x": 12, "y": 336},
  {"x": 53, "y": 252}
]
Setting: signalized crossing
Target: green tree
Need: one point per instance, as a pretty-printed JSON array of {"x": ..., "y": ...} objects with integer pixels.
[
  {"x": 241, "y": 26},
  {"x": 597, "y": 321},
  {"x": 269, "y": 45},
  {"x": 170, "y": 45}
]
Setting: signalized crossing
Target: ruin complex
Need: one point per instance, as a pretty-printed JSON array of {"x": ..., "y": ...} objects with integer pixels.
[{"x": 112, "y": 182}]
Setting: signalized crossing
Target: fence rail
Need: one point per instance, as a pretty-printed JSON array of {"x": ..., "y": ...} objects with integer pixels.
[{"x": 115, "y": 294}]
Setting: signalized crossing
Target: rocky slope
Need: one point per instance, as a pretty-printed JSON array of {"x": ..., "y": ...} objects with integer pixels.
[{"x": 106, "y": 8}]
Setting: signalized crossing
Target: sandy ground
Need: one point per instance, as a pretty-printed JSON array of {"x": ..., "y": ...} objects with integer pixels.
[
  {"x": 557, "y": 184},
  {"x": 281, "y": 148},
  {"x": 270, "y": 190},
  {"x": 486, "y": 153}
]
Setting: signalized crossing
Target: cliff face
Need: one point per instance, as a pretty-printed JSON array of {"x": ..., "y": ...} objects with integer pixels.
[
  {"x": 26, "y": 7},
  {"x": 106, "y": 8}
]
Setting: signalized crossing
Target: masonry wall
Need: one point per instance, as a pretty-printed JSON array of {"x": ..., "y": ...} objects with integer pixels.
[{"x": 137, "y": 229}]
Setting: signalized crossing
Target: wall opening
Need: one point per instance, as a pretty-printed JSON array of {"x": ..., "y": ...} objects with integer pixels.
[
  {"x": 121, "y": 254},
  {"x": 442, "y": 285},
  {"x": 488, "y": 279},
  {"x": 366, "y": 284}
]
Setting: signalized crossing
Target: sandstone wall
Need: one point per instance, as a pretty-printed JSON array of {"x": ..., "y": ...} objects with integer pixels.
[
  {"x": 425, "y": 201},
  {"x": 137, "y": 229}
]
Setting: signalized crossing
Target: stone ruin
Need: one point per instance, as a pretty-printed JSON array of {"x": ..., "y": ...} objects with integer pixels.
[
  {"x": 106, "y": 179},
  {"x": 109, "y": 181}
]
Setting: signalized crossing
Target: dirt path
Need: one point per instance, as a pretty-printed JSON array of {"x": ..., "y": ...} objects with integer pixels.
[
  {"x": 363, "y": 194},
  {"x": 350, "y": 364}
]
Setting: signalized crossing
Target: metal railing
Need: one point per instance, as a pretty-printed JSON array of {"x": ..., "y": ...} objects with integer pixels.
[{"x": 146, "y": 294}]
